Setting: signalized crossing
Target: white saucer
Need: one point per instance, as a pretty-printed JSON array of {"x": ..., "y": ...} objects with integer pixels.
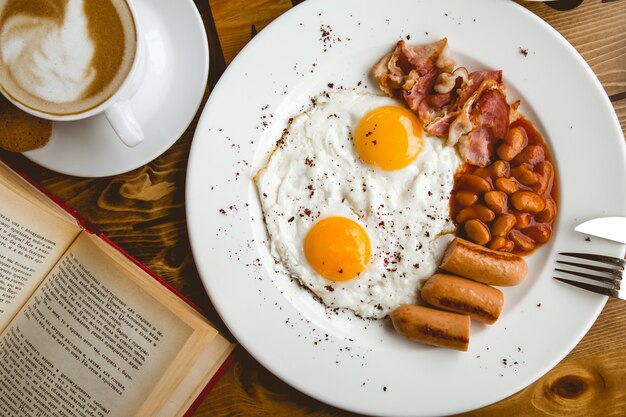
[{"x": 177, "y": 66}]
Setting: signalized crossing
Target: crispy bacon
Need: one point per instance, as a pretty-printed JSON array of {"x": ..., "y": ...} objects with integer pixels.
[
  {"x": 411, "y": 71},
  {"x": 420, "y": 86},
  {"x": 476, "y": 78},
  {"x": 431, "y": 106},
  {"x": 482, "y": 121},
  {"x": 469, "y": 109},
  {"x": 440, "y": 126}
]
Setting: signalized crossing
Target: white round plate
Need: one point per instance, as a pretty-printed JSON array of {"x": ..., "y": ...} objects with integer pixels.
[
  {"x": 363, "y": 366},
  {"x": 176, "y": 71}
]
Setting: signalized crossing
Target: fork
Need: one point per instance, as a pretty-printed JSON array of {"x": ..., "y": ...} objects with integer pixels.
[{"x": 609, "y": 278}]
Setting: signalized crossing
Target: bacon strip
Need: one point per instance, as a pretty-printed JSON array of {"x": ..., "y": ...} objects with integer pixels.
[
  {"x": 411, "y": 71},
  {"x": 469, "y": 110},
  {"x": 483, "y": 120}
]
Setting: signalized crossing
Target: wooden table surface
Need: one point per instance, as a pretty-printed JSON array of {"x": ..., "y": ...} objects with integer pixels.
[{"x": 143, "y": 212}]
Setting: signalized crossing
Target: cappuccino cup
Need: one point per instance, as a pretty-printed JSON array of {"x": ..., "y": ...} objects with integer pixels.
[{"x": 67, "y": 60}]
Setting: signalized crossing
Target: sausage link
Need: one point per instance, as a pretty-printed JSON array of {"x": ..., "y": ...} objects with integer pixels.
[
  {"x": 484, "y": 265},
  {"x": 433, "y": 327},
  {"x": 449, "y": 292}
]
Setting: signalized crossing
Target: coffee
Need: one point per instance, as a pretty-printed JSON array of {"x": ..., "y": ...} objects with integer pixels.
[{"x": 64, "y": 57}]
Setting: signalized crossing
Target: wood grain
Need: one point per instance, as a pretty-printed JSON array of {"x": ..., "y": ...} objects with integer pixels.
[
  {"x": 234, "y": 19},
  {"x": 143, "y": 212}
]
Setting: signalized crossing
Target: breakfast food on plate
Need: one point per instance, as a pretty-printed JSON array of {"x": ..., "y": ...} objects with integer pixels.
[
  {"x": 465, "y": 108},
  {"x": 481, "y": 302},
  {"x": 362, "y": 194},
  {"x": 356, "y": 201},
  {"x": 431, "y": 326},
  {"x": 514, "y": 207},
  {"x": 482, "y": 264},
  {"x": 505, "y": 194},
  {"x": 468, "y": 297},
  {"x": 19, "y": 131}
]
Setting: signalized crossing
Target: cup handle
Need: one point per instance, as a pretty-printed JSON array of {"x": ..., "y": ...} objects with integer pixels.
[{"x": 123, "y": 121}]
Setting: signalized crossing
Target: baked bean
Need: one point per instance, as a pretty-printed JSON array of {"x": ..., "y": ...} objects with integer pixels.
[
  {"x": 477, "y": 232},
  {"x": 474, "y": 183},
  {"x": 506, "y": 185},
  {"x": 524, "y": 174},
  {"x": 544, "y": 171},
  {"x": 482, "y": 172},
  {"x": 508, "y": 246},
  {"x": 513, "y": 144},
  {"x": 501, "y": 244},
  {"x": 503, "y": 225},
  {"x": 516, "y": 135},
  {"x": 496, "y": 200},
  {"x": 497, "y": 243},
  {"x": 477, "y": 211},
  {"x": 548, "y": 213},
  {"x": 530, "y": 155},
  {"x": 539, "y": 232},
  {"x": 523, "y": 242},
  {"x": 522, "y": 220},
  {"x": 465, "y": 198},
  {"x": 527, "y": 201},
  {"x": 500, "y": 169}
]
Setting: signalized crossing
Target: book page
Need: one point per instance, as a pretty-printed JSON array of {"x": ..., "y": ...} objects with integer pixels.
[
  {"x": 13, "y": 181},
  {"x": 31, "y": 241},
  {"x": 90, "y": 342},
  {"x": 199, "y": 359}
]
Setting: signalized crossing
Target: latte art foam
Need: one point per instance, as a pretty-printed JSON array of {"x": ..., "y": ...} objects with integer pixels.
[
  {"x": 49, "y": 60},
  {"x": 65, "y": 56}
]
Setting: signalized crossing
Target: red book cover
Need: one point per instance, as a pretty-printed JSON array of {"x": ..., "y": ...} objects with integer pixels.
[{"x": 90, "y": 228}]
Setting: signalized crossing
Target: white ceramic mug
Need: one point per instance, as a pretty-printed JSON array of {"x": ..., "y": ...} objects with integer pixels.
[{"x": 117, "y": 108}]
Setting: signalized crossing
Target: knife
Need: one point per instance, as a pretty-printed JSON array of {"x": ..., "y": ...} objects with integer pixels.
[{"x": 612, "y": 228}]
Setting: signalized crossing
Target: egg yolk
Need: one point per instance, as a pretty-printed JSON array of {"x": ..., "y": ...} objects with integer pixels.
[
  {"x": 337, "y": 248},
  {"x": 388, "y": 137}
]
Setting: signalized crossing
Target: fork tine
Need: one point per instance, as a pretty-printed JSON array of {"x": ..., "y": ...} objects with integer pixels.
[
  {"x": 616, "y": 273},
  {"x": 611, "y": 281},
  {"x": 593, "y": 288},
  {"x": 598, "y": 258}
]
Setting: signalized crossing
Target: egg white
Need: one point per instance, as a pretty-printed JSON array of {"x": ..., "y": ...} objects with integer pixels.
[{"x": 314, "y": 172}]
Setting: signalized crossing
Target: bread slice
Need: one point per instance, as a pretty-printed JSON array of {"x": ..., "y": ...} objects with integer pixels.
[{"x": 20, "y": 131}]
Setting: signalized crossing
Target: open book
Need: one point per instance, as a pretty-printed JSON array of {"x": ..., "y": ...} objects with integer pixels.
[{"x": 84, "y": 330}]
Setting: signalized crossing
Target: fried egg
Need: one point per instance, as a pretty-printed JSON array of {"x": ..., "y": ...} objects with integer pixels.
[{"x": 355, "y": 198}]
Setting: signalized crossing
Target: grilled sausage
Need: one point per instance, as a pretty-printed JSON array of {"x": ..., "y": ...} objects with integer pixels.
[
  {"x": 449, "y": 292},
  {"x": 433, "y": 327},
  {"x": 484, "y": 265}
]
